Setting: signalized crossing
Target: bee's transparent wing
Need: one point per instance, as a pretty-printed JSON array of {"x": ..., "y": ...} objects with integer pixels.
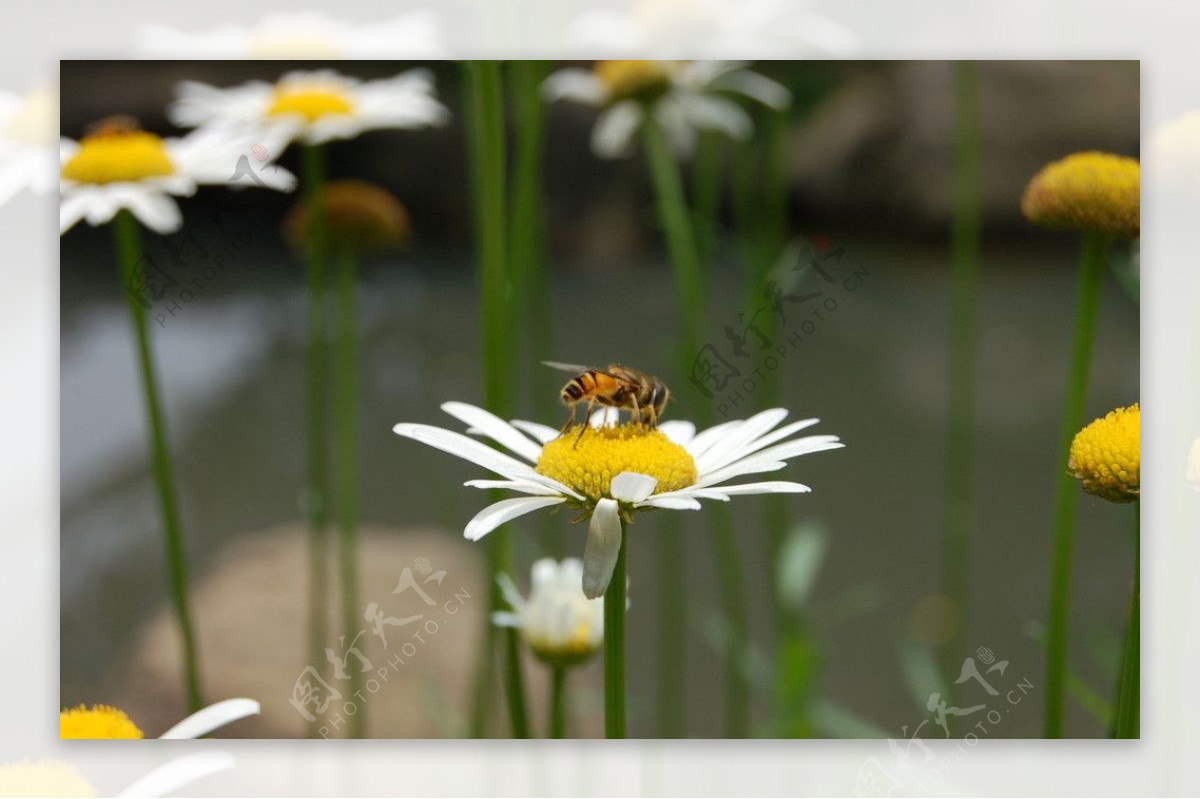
[{"x": 574, "y": 368}]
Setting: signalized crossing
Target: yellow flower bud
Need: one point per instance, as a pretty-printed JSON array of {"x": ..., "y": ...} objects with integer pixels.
[
  {"x": 359, "y": 216},
  {"x": 1091, "y": 191},
  {"x": 1106, "y": 455}
]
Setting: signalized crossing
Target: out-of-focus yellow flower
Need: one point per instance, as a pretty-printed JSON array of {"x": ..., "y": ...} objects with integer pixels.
[
  {"x": 43, "y": 778},
  {"x": 1106, "y": 455},
  {"x": 639, "y": 79},
  {"x": 1090, "y": 191},
  {"x": 359, "y": 216},
  {"x": 98, "y": 721}
]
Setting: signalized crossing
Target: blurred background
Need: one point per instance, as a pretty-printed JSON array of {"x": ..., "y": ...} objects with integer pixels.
[{"x": 868, "y": 156}]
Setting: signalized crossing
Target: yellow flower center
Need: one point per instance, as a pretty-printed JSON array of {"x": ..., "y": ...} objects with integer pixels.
[
  {"x": 634, "y": 79},
  {"x": 1106, "y": 455},
  {"x": 601, "y": 454},
  {"x": 311, "y": 102},
  {"x": 118, "y": 153},
  {"x": 1087, "y": 191},
  {"x": 100, "y": 721},
  {"x": 36, "y": 122},
  {"x": 43, "y": 778}
]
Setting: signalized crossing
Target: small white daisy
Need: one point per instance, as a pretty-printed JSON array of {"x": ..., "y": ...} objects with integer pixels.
[
  {"x": 684, "y": 96},
  {"x": 28, "y": 131},
  {"x": 303, "y": 35},
  {"x": 119, "y": 166},
  {"x": 561, "y": 626},
  {"x": 615, "y": 470},
  {"x": 313, "y": 107},
  {"x": 105, "y": 722},
  {"x": 668, "y": 28}
]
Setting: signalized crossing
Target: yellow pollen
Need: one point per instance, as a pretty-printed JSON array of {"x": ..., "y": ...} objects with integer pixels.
[
  {"x": 118, "y": 155},
  {"x": 634, "y": 79},
  {"x": 311, "y": 102},
  {"x": 1106, "y": 455},
  {"x": 100, "y": 721},
  {"x": 604, "y": 453},
  {"x": 1089, "y": 191}
]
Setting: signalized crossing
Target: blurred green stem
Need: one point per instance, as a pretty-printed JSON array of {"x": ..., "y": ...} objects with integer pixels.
[
  {"x": 1128, "y": 715},
  {"x": 691, "y": 290},
  {"x": 488, "y": 168},
  {"x": 127, "y": 239},
  {"x": 614, "y": 646},
  {"x": 707, "y": 170},
  {"x": 558, "y": 702},
  {"x": 346, "y": 429},
  {"x": 964, "y": 276},
  {"x": 1091, "y": 272},
  {"x": 316, "y": 488}
]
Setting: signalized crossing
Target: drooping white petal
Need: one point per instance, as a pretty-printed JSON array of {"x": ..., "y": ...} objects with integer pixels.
[
  {"x": 495, "y": 428},
  {"x": 632, "y": 487},
  {"x": 755, "y": 86},
  {"x": 603, "y": 547},
  {"x": 213, "y": 717},
  {"x": 175, "y": 774},
  {"x": 478, "y": 453},
  {"x": 576, "y": 85},
  {"x": 156, "y": 211},
  {"x": 541, "y": 433},
  {"x": 503, "y": 511},
  {"x": 523, "y": 486},
  {"x": 615, "y": 128}
]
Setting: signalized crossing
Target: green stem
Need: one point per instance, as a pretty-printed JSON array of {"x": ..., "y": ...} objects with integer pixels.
[
  {"x": 965, "y": 234},
  {"x": 1128, "y": 715},
  {"x": 1095, "y": 246},
  {"x": 558, "y": 702},
  {"x": 346, "y": 429},
  {"x": 614, "y": 647},
  {"x": 732, "y": 590},
  {"x": 708, "y": 195},
  {"x": 316, "y": 479},
  {"x": 488, "y": 167},
  {"x": 129, "y": 255},
  {"x": 672, "y": 636}
]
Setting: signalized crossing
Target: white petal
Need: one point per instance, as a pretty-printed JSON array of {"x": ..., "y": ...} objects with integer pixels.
[
  {"x": 615, "y": 128},
  {"x": 502, "y": 618},
  {"x": 523, "y": 486},
  {"x": 738, "y": 437},
  {"x": 752, "y": 445},
  {"x": 771, "y": 458},
  {"x": 691, "y": 492},
  {"x": 748, "y": 466},
  {"x": 680, "y": 432},
  {"x": 603, "y": 547},
  {"x": 71, "y": 211},
  {"x": 511, "y": 595},
  {"x": 175, "y": 774},
  {"x": 542, "y": 433},
  {"x": 481, "y": 454},
  {"x": 156, "y": 211},
  {"x": 632, "y": 487},
  {"x": 675, "y": 124},
  {"x": 756, "y": 87},
  {"x": 577, "y": 85},
  {"x": 769, "y": 487},
  {"x": 543, "y": 574},
  {"x": 670, "y": 503},
  {"x": 204, "y": 721},
  {"x": 506, "y": 510},
  {"x": 716, "y": 113},
  {"x": 705, "y": 439},
  {"x": 495, "y": 428}
]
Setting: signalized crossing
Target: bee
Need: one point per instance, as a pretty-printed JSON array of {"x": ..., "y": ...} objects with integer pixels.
[{"x": 620, "y": 387}]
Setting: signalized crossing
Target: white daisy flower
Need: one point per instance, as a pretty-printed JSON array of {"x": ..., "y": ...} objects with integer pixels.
[
  {"x": 105, "y": 722},
  {"x": 119, "y": 166},
  {"x": 49, "y": 777},
  {"x": 615, "y": 470},
  {"x": 313, "y": 107},
  {"x": 560, "y": 625},
  {"x": 28, "y": 131},
  {"x": 668, "y": 28},
  {"x": 304, "y": 35},
  {"x": 684, "y": 97}
]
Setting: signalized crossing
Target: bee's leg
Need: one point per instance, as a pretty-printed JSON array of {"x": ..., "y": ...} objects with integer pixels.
[
  {"x": 653, "y": 416},
  {"x": 587, "y": 422},
  {"x": 636, "y": 416},
  {"x": 570, "y": 420}
]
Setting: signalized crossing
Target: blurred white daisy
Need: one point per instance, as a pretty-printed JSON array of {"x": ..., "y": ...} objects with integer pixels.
[
  {"x": 560, "y": 625},
  {"x": 711, "y": 28},
  {"x": 614, "y": 470},
  {"x": 313, "y": 107},
  {"x": 684, "y": 96},
  {"x": 119, "y": 166},
  {"x": 304, "y": 35},
  {"x": 49, "y": 777},
  {"x": 106, "y": 722},
  {"x": 28, "y": 131}
]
